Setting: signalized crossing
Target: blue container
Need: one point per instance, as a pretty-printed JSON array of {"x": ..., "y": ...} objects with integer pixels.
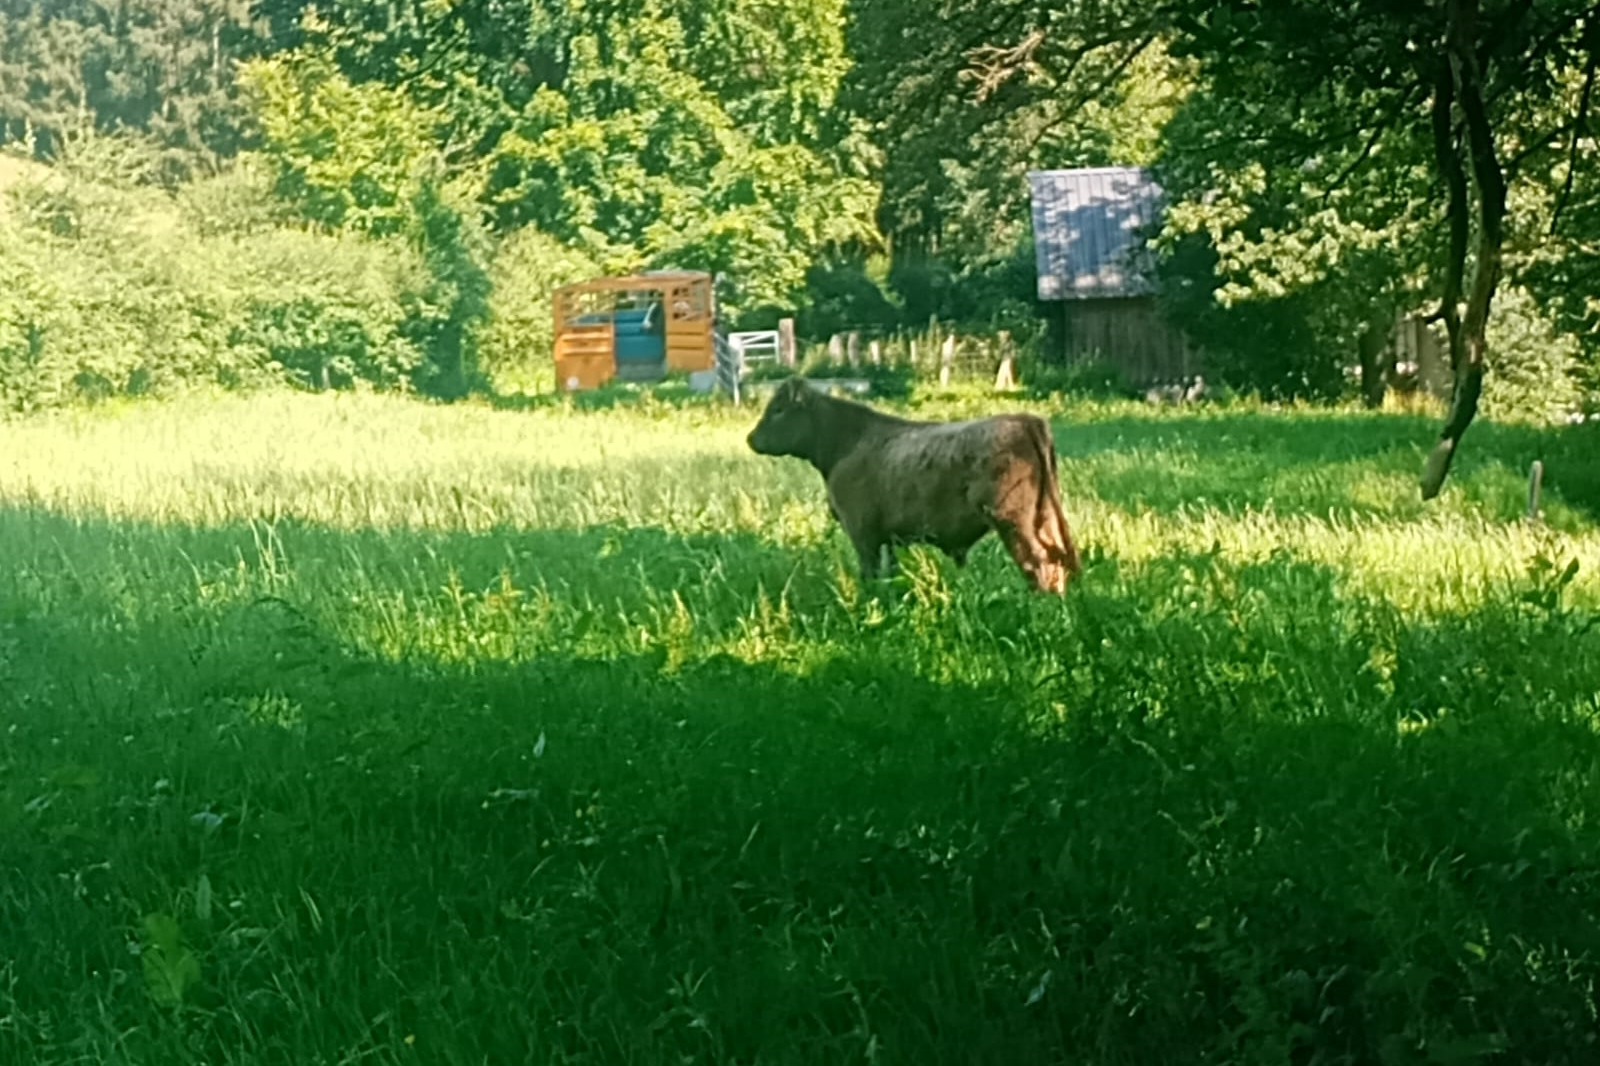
[
  {"x": 640, "y": 339},
  {"x": 639, "y": 348}
]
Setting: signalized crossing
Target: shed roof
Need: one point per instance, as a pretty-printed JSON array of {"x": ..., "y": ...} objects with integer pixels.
[{"x": 1085, "y": 231}]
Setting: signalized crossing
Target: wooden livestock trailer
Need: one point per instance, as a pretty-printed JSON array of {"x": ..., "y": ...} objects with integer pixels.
[{"x": 635, "y": 328}]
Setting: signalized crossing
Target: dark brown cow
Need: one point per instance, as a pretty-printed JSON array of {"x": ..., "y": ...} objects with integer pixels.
[{"x": 894, "y": 481}]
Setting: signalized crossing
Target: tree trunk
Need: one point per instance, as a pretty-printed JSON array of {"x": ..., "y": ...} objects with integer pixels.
[
  {"x": 1468, "y": 334},
  {"x": 1377, "y": 359}
]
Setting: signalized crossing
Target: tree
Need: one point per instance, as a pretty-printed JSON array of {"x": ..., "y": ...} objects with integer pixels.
[
  {"x": 952, "y": 146},
  {"x": 160, "y": 67},
  {"x": 345, "y": 155},
  {"x": 1481, "y": 79},
  {"x": 364, "y": 158},
  {"x": 1297, "y": 230},
  {"x": 1484, "y": 84},
  {"x": 674, "y": 132}
]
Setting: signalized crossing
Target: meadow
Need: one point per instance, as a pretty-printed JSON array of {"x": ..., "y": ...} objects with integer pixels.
[{"x": 350, "y": 729}]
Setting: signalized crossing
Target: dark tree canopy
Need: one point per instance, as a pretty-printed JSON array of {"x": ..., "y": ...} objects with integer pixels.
[{"x": 1359, "y": 150}]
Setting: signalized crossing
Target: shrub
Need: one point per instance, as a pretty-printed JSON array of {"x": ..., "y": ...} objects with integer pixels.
[
  {"x": 1090, "y": 377},
  {"x": 516, "y": 338},
  {"x": 453, "y": 247},
  {"x": 236, "y": 202},
  {"x": 32, "y": 314},
  {"x": 1278, "y": 347},
  {"x": 115, "y": 290},
  {"x": 327, "y": 311},
  {"x": 886, "y": 380},
  {"x": 846, "y": 294},
  {"x": 1533, "y": 368},
  {"x": 119, "y": 314},
  {"x": 987, "y": 295}
]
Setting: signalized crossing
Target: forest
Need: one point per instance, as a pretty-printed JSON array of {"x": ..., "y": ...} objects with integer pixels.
[{"x": 855, "y": 165}]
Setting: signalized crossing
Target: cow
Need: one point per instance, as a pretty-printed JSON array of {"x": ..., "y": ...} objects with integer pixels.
[{"x": 893, "y": 481}]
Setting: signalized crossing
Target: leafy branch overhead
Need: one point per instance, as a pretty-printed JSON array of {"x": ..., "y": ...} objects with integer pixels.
[{"x": 1372, "y": 155}]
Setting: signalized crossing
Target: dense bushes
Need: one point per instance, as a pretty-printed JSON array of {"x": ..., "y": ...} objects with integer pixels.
[
  {"x": 515, "y": 339},
  {"x": 112, "y": 286},
  {"x": 1533, "y": 368},
  {"x": 118, "y": 291},
  {"x": 325, "y": 311},
  {"x": 873, "y": 295},
  {"x": 96, "y": 300}
]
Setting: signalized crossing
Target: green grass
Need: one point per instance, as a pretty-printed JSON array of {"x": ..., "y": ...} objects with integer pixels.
[{"x": 344, "y": 729}]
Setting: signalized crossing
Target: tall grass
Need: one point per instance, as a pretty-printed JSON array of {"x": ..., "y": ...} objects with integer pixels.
[{"x": 342, "y": 728}]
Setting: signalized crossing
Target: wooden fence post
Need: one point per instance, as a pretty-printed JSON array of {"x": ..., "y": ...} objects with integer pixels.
[
  {"x": 913, "y": 352},
  {"x": 948, "y": 361},
  {"x": 876, "y": 353},
  {"x": 853, "y": 346},
  {"x": 786, "y": 345},
  {"x": 1535, "y": 481},
  {"x": 1004, "y": 378},
  {"x": 835, "y": 350}
]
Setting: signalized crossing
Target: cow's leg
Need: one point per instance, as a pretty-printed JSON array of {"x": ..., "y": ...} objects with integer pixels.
[
  {"x": 869, "y": 550},
  {"x": 859, "y": 520},
  {"x": 959, "y": 548},
  {"x": 864, "y": 537},
  {"x": 1042, "y": 572}
]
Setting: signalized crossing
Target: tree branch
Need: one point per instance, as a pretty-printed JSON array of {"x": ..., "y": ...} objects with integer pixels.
[
  {"x": 1448, "y": 156},
  {"x": 1489, "y": 178},
  {"x": 1100, "y": 88},
  {"x": 1526, "y": 152},
  {"x": 1384, "y": 126},
  {"x": 1491, "y": 182},
  {"x": 993, "y": 65},
  {"x": 1580, "y": 125}
]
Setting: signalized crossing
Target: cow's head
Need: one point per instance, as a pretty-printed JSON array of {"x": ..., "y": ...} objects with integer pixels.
[{"x": 787, "y": 426}]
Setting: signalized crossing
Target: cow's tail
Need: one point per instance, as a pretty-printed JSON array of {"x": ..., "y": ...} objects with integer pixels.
[{"x": 1055, "y": 536}]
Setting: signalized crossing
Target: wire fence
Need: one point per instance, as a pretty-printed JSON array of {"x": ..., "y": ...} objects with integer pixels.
[{"x": 935, "y": 352}]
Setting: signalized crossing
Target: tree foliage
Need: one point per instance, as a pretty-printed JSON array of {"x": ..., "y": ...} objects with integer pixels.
[
  {"x": 666, "y": 133},
  {"x": 865, "y": 164},
  {"x": 1341, "y": 151},
  {"x": 954, "y": 143},
  {"x": 640, "y": 163},
  {"x": 109, "y": 288},
  {"x": 344, "y": 154},
  {"x": 159, "y": 67},
  {"x": 1446, "y": 106}
]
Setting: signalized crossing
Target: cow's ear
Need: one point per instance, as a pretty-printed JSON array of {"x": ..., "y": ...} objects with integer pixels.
[{"x": 799, "y": 391}]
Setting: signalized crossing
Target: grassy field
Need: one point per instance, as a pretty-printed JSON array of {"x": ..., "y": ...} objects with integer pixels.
[{"x": 348, "y": 730}]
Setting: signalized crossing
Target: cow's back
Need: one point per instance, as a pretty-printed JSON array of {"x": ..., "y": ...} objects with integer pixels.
[{"x": 932, "y": 481}]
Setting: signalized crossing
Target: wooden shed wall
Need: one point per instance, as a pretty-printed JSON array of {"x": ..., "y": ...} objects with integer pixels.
[{"x": 1129, "y": 333}]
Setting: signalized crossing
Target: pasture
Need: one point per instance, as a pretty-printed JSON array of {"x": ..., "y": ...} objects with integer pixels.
[{"x": 359, "y": 730}]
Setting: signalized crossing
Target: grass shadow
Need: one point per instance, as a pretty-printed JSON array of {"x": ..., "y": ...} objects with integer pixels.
[{"x": 1179, "y": 816}]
